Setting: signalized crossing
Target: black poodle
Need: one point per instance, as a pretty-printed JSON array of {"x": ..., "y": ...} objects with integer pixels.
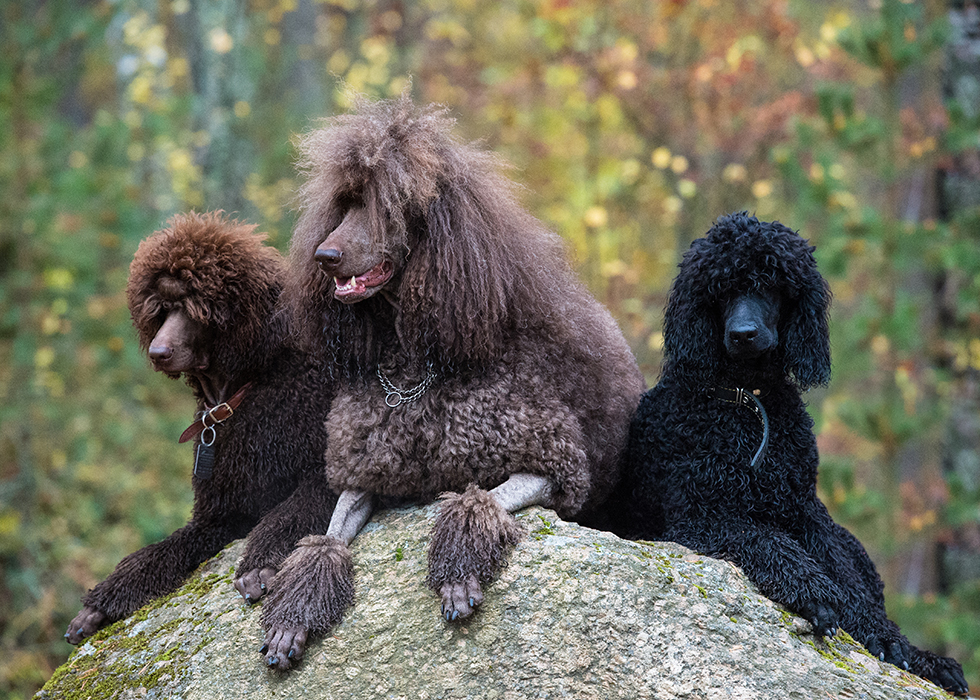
[{"x": 722, "y": 456}]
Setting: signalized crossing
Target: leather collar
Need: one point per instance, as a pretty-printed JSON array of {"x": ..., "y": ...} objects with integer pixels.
[{"x": 210, "y": 417}]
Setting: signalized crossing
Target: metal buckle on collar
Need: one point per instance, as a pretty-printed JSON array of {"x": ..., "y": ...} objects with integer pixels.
[{"x": 212, "y": 413}]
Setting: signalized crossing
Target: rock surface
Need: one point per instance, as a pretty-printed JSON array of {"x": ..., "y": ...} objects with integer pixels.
[{"x": 577, "y": 613}]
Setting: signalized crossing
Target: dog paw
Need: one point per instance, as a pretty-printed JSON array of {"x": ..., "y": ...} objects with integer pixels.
[
  {"x": 890, "y": 647},
  {"x": 950, "y": 678},
  {"x": 460, "y": 598},
  {"x": 469, "y": 543},
  {"x": 283, "y": 647},
  {"x": 306, "y": 598},
  {"x": 86, "y": 623},
  {"x": 254, "y": 584},
  {"x": 944, "y": 671},
  {"x": 823, "y": 618}
]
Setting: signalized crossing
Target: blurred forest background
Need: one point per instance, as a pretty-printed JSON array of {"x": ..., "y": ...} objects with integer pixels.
[{"x": 632, "y": 124}]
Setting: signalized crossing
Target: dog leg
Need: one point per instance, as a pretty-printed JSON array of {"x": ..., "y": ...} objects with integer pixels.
[
  {"x": 774, "y": 562},
  {"x": 471, "y": 535},
  {"x": 353, "y": 510},
  {"x": 315, "y": 585},
  {"x": 862, "y": 608},
  {"x": 151, "y": 572},
  {"x": 306, "y": 512},
  {"x": 523, "y": 490}
]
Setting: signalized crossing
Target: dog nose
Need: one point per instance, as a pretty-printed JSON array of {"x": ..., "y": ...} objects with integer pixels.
[
  {"x": 743, "y": 335},
  {"x": 327, "y": 258},
  {"x": 160, "y": 352}
]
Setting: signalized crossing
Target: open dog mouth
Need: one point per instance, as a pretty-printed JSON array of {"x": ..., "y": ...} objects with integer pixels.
[{"x": 363, "y": 286}]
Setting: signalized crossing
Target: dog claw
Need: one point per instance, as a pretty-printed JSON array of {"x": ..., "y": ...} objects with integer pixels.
[
  {"x": 272, "y": 660},
  {"x": 264, "y": 648}
]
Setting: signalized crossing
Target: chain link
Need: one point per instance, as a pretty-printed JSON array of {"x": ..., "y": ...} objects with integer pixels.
[{"x": 395, "y": 397}]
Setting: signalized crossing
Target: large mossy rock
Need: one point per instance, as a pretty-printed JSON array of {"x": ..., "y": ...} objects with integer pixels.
[{"x": 577, "y": 613}]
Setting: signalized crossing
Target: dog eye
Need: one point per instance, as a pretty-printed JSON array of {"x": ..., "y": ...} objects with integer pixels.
[{"x": 348, "y": 201}]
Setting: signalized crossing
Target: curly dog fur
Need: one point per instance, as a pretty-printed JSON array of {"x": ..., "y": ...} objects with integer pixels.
[
  {"x": 748, "y": 310},
  {"x": 413, "y": 260},
  {"x": 470, "y": 539},
  {"x": 203, "y": 295}
]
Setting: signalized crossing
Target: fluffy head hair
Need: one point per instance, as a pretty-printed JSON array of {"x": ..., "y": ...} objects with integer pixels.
[
  {"x": 472, "y": 267},
  {"x": 738, "y": 255},
  {"x": 220, "y": 273}
]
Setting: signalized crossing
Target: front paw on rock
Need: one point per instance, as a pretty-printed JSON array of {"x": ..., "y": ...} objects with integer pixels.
[
  {"x": 254, "y": 584},
  {"x": 893, "y": 651},
  {"x": 284, "y": 647},
  {"x": 823, "y": 618},
  {"x": 86, "y": 623},
  {"x": 460, "y": 598}
]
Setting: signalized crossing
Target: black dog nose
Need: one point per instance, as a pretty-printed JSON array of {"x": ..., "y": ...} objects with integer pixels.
[
  {"x": 327, "y": 258},
  {"x": 743, "y": 335}
]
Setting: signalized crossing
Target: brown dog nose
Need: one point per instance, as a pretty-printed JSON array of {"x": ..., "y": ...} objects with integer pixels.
[
  {"x": 327, "y": 258},
  {"x": 160, "y": 352}
]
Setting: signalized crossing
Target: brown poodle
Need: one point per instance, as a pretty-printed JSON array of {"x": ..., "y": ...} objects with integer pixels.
[
  {"x": 469, "y": 359},
  {"x": 202, "y": 294}
]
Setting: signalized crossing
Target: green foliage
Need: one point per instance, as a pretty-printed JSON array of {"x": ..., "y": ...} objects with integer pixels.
[
  {"x": 894, "y": 38},
  {"x": 631, "y": 124},
  {"x": 943, "y": 622},
  {"x": 901, "y": 350}
]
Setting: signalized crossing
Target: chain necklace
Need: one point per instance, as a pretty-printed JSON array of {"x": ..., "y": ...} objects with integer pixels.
[{"x": 395, "y": 397}]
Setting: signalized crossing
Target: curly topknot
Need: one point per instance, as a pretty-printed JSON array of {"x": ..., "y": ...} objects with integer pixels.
[
  {"x": 220, "y": 272},
  {"x": 741, "y": 254},
  {"x": 476, "y": 268}
]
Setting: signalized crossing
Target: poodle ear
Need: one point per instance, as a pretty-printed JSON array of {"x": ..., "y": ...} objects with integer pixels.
[
  {"x": 450, "y": 292},
  {"x": 691, "y": 334},
  {"x": 806, "y": 339}
]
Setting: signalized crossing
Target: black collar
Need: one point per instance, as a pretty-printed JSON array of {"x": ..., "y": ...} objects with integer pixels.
[{"x": 748, "y": 399}]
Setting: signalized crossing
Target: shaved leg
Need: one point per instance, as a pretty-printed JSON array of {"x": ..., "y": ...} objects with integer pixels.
[
  {"x": 523, "y": 490},
  {"x": 352, "y": 511}
]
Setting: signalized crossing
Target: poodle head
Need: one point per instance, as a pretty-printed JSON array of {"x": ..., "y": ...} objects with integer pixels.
[
  {"x": 406, "y": 235},
  {"x": 748, "y": 295},
  {"x": 202, "y": 292}
]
